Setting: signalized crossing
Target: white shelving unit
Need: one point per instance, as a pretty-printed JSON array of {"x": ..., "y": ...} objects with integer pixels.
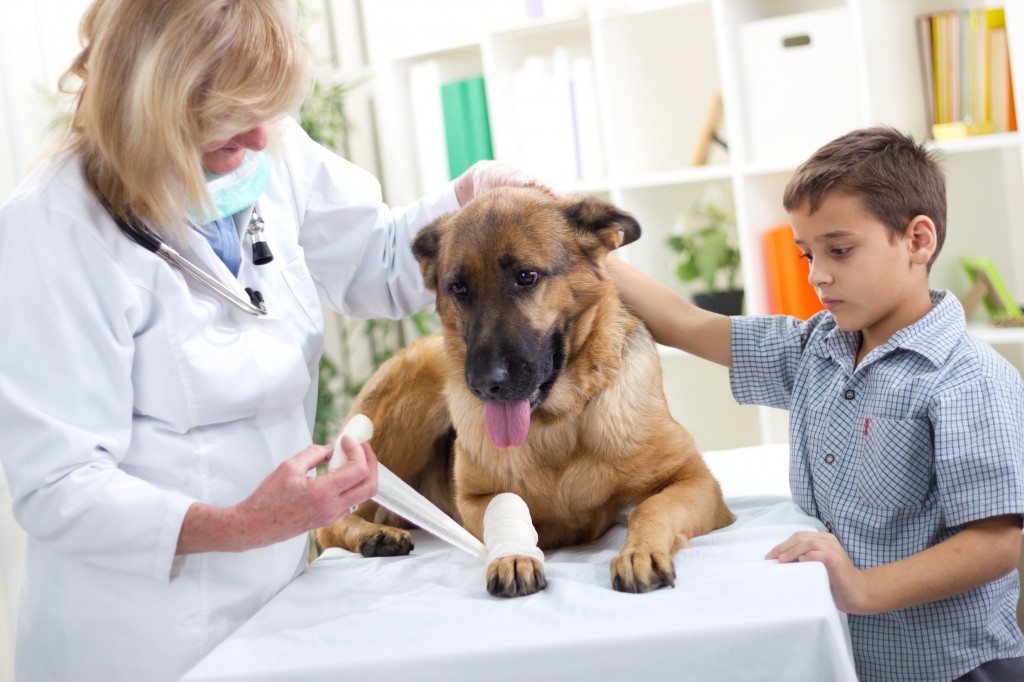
[{"x": 656, "y": 65}]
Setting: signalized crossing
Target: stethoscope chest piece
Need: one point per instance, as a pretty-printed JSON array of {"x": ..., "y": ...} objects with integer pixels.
[{"x": 261, "y": 254}]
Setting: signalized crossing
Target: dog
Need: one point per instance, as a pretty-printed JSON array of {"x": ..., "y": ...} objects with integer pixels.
[{"x": 542, "y": 383}]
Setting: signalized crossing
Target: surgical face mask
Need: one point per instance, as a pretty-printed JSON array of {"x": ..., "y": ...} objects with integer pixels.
[{"x": 239, "y": 189}]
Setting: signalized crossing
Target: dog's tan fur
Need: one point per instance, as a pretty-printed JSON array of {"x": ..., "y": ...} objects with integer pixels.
[{"x": 601, "y": 442}]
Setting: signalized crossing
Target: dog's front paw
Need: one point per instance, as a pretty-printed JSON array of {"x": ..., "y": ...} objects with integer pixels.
[
  {"x": 515, "y": 576},
  {"x": 635, "y": 571},
  {"x": 386, "y": 542}
]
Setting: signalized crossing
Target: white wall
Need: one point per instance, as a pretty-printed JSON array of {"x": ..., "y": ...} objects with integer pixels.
[{"x": 38, "y": 39}]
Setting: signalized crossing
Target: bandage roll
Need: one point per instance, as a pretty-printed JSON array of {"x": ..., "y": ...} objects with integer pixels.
[
  {"x": 359, "y": 427},
  {"x": 397, "y": 496},
  {"x": 508, "y": 529}
]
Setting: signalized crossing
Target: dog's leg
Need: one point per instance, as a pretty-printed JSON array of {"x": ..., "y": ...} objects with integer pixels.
[
  {"x": 660, "y": 526},
  {"x": 356, "y": 532},
  {"x": 508, "y": 576}
]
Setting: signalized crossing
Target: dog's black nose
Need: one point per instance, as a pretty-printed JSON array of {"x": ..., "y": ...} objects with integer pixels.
[{"x": 489, "y": 383}]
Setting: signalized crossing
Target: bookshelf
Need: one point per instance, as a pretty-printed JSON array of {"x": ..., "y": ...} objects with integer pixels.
[{"x": 655, "y": 67}]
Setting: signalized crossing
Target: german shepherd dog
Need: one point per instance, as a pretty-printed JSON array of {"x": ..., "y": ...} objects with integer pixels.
[{"x": 541, "y": 383}]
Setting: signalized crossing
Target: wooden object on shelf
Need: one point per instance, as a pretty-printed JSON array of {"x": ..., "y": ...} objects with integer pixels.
[
  {"x": 988, "y": 288},
  {"x": 973, "y": 297},
  {"x": 708, "y": 131}
]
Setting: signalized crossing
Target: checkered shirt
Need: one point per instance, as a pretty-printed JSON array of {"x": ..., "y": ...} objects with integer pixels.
[{"x": 926, "y": 435}]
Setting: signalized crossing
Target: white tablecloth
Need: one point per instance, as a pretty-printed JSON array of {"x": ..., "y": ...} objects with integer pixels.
[{"x": 732, "y": 616}]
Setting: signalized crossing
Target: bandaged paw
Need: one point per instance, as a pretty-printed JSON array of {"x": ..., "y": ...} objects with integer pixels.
[
  {"x": 508, "y": 529},
  {"x": 359, "y": 427}
]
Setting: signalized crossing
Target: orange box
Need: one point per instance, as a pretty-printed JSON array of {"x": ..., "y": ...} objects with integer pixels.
[{"x": 789, "y": 291}]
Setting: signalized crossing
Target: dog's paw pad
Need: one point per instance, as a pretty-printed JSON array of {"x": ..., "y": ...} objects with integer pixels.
[{"x": 395, "y": 542}]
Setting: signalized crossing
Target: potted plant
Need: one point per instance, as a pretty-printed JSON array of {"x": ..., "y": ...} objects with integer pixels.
[{"x": 708, "y": 253}]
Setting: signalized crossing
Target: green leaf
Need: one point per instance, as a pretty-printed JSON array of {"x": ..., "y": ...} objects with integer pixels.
[
  {"x": 687, "y": 271},
  {"x": 676, "y": 243}
]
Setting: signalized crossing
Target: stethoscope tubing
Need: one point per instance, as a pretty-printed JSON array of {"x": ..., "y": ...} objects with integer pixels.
[
  {"x": 146, "y": 238},
  {"x": 183, "y": 264}
]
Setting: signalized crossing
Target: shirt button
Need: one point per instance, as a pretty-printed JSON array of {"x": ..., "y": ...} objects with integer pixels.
[
  {"x": 828, "y": 526},
  {"x": 849, "y": 394},
  {"x": 829, "y": 458}
]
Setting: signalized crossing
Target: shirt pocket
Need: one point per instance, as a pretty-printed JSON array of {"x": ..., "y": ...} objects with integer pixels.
[{"x": 895, "y": 470}]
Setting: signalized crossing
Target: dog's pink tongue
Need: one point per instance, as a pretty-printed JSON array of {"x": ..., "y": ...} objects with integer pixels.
[{"x": 507, "y": 423}]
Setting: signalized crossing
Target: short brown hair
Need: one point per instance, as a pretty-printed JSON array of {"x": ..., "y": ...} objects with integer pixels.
[
  {"x": 157, "y": 80},
  {"x": 894, "y": 176}
]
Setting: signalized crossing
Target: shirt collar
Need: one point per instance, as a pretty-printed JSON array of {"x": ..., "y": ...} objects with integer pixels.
[{"x": 933, "y": 336}]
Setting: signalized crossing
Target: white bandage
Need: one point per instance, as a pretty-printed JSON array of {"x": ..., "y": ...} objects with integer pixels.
[
  {"x": 359, "y": 427},
  {"x": 508, "y": 529}
]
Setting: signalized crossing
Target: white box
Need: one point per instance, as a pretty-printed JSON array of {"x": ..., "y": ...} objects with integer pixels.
[{"x": 800, "y": 83}]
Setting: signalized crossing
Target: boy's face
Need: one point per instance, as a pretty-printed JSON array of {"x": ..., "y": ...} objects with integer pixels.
[{"x": 868, "y": 283}]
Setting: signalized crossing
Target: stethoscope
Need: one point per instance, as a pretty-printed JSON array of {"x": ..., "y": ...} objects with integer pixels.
[{"x": 261, "y": 255}]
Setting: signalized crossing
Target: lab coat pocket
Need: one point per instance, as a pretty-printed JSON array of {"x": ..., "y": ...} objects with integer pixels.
[{"x": 895, "y": 470}]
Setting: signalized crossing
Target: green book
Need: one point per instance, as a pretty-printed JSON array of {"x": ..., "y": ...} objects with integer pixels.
[{"x": 466, "y": 127}]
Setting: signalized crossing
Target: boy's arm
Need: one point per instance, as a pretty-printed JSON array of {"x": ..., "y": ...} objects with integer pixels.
[
  {"x": 672, "y": 320},
  {"x": 983, "y": 551}
]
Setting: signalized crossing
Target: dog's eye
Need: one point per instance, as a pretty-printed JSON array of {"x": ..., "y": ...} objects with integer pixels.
[
  {"x": 527, "y": 278},
  {"x": 457, "y": 289}
]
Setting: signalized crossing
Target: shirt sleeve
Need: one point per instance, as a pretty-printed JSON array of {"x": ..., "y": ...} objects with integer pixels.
[
  {"x": 766, "y": 352},
  {"x": 66, "y": 394},
  {"x": 357, "y": 248},
  {"x": 979, "y": 448}
]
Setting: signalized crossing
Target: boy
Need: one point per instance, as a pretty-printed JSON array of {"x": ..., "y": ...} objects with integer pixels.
[{"x": 906, "y": 433}]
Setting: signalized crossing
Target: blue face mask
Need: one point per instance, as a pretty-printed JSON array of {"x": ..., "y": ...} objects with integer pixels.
[{"x": 239, "y": 189}]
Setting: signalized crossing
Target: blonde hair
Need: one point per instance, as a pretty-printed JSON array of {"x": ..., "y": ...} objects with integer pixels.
[{"x": 158, "y": 80}]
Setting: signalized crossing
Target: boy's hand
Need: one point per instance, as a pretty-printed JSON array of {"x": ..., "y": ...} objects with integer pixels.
[
  {"x": 980, "y": 553},
  {"x": 847, "y": 582}
]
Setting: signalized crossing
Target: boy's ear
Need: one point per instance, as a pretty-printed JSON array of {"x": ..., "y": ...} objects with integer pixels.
[
  {"x": 922, "y": 239},
  {"x": 426, "y": 246}
]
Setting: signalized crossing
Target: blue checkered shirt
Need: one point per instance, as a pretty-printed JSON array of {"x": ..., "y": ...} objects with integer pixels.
[{"x": 926, "y": 435}]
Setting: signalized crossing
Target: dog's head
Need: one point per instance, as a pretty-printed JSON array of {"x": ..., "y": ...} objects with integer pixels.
[{"x": 513, "y": 271}]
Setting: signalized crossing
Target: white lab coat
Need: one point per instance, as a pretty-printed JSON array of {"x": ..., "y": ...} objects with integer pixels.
[{"x": 127, "y": 392}]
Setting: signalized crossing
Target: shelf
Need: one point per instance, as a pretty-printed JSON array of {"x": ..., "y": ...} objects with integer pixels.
[
  {"x": 978, "y": 143},
  {"x": 997, "y": 336},
  {"x": 584, "y": 187},
  {"x": 655, "y": 67},
  {"x": 540, "y": 26},
  {"x": 679, "y": 176}
]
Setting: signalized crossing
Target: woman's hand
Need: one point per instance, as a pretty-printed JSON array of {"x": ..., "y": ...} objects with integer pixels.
[
  {"x": 287, "y": 503},
  {"x": 483, "y": 176}
]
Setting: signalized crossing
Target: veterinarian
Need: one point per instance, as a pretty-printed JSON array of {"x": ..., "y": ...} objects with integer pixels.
[
  {"x": 906, "y": 433},
  {"x": 161, "y": 281}
]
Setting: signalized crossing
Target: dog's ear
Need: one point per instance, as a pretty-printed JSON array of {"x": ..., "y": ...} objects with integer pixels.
[
  {"x": 611, "y": 226},
  {"x": 426, "y": 245}
]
